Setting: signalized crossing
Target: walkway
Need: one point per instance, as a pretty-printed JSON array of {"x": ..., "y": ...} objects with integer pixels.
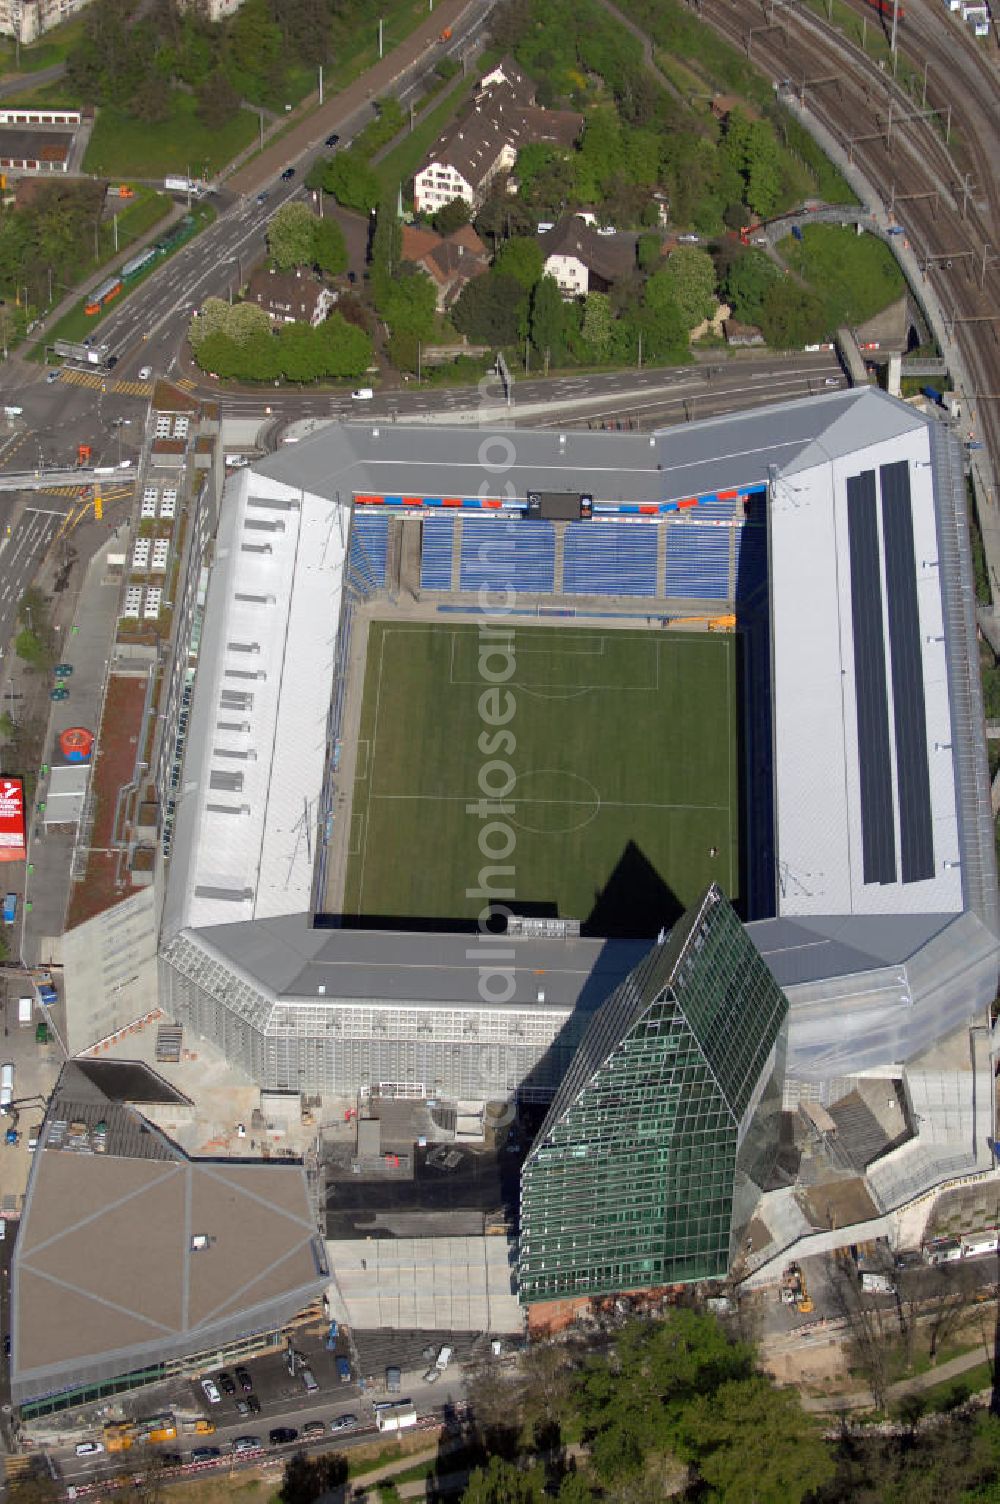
[
  {"x": 953, "y": 1369},
  {"x": 647, "y": 50}
]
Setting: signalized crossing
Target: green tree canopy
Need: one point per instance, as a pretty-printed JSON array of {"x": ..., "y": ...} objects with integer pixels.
[
  {"x": 329, "y": 247},
  {"x": 291, "y": 235},
  {"x": 504, "y": 1483},
  {"x": 690, "y": 273},
  {"x": 753, "y": 1444},
  {"x": 353, "y": 183},
  {"x": 548, "y": 320},
  {"x": 746, "y": 283},
  {"x": 491, "y": 310},
  {"x": 792, "y": 316},
  {"x": 750, "y": 147},
  {"x": 452, "y": 216},
  {"x": 521, "y": 258},
  {"x": 597, "y": 323}
]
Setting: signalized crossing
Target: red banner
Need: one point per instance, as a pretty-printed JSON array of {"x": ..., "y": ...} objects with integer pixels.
[{"x": 12, "y": 843}]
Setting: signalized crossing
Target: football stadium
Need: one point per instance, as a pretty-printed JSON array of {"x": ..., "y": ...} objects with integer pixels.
[{"x": 479, "y": 714}]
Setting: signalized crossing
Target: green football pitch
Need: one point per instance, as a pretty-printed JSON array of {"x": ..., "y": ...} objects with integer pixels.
[{"x": 613, "y": 754}]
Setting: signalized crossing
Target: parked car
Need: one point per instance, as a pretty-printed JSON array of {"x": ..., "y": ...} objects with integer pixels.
[
  {"x": 363, "y": 394},
  {"x": 244, "y": 1380},
  {"x": 247, "y": 1444},
  {"x": 63, "y": 670},
  {"x": 205, "y": 1454},
  {"x": 6, "y": 1083},
  {"x": 253, "y": 1404},
  {"x": 242, "y": 1408},
  {"x": 288, "y": 174},
  {"x": 263, "y": 196},
  {"x": 112, "y": 362},
  {"x": 210, "y": 1392},
  {"x": 60, "y": 693},
  {"x": 226, "y": 1383},
  {"x": 343, "y": 1370},
  {"x": 88, "y": 1448},
  {"x": 282, "y": 1435},
  {"x": 332, "y": 139},
  {"x": 343, "y": 1423},
  {"x": 314, "y": 1428},
  {"x": 53, "y": 376}
]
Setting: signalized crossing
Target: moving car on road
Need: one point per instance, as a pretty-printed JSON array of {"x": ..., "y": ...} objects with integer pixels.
[
  {"x": 205, "y": 1454},
  {"x": 89, "y": 1448},
  {"x": 63, "y": 670},
  {"x": 288, "y": 174},
  {"x": 343, "y": 1423},
  {"x": 60, "y": 693}
]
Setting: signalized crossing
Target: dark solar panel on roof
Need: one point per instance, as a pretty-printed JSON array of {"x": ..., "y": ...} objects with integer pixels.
[
  {"x": 912, "y": 773},
  {"x": 878, "y": 834}
]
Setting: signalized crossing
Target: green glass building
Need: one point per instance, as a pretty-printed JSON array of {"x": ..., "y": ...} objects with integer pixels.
[{"x": 665, "y": 1127}]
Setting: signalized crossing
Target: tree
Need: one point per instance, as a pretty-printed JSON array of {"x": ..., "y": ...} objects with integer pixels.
[
  {"x": 307, "y": 1478},
  {"x": 408, "y": 303},
  {"x": 246, "y": 322},
  {"x": 30, "y": 648},
  {"x": 491, "y": 309},
  {"x": 753, "y": 1444},
  {"x": 218, "y": 101},
  {"x": 548, "y": 320},
  {"x": 521, "y": 258},
  {"x": 750, "y": 147},
  {"x": 504, "y": 1483},
  {"x": 346, "y": 349},
  {"x": 211, "y": 320},
  {"x": 452, "y": 216},
  {"x": 329, "y": 247},
  {"x": 353, "y": 183},
  {"x": 597, "y": 323},
  {"x": 291, "y": 236},
  {"x": 691, "y": 274},
  {"x": 745, "y": 285},
  {"x": 664, "y": 328}
]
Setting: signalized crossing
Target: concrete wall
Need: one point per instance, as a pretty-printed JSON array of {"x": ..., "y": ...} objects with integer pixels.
[{"x": 109, "y": 967}]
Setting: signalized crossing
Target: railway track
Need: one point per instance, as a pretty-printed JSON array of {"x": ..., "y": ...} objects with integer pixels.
[{"x": 798, "y": 45}]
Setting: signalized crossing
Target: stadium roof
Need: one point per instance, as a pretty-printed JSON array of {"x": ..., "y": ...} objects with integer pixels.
[
  {"x": 256, "y": 748},
  {"x": 109, "y": 1272}
]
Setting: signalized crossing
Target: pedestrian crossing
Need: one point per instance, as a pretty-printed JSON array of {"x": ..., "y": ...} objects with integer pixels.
[
  {"x": 83, "y": 378},
  {"x": 185, "y": 383},
  {"x": 97, "y": 382},
  {"x": 63, "y": 490}
]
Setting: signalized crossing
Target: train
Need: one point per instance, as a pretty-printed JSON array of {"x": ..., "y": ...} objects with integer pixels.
[
  {"x": 99, "y": 299},
  {"x": 885, "y": 8}
]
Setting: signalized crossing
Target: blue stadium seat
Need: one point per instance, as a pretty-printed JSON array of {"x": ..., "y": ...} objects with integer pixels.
[
  {"x": 503, "y": 555},
  {"x": 610, "y": 558},
  {"x": 368, "y": 545},
  {"x": 751, "y": 563},
  {"x": 717, "y": 511},
  {"x": 698, "y": 561},
  {"x": 435, "y": 555}
]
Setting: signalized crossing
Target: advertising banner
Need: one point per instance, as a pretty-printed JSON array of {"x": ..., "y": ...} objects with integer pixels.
[{"x": 12, "y": 843}]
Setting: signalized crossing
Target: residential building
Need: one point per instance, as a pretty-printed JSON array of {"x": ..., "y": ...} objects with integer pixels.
[
  {"x": 26, "y": 20},
  {"x": 451, "y": 261},
  {"x": 295, "y": 297},
  {"x": 664, "y": 1130},
  {"x": 583, "y": 260},
  {"x": 486, "y": 140}
]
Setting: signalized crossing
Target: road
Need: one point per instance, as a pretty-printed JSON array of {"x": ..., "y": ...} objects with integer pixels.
[{"x": 24, "y": 542}]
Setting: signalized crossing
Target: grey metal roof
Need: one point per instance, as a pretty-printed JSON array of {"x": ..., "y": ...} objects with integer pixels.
[
  {"x": 384, "y": 458},
  {"x": 812, "y": 949},
  {"x": 416, "y": 966}
]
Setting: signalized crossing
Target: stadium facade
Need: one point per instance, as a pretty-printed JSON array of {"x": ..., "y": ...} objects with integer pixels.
[
  {"x": 664, "y": 1130},
  {"x": 833, "y": 528}
]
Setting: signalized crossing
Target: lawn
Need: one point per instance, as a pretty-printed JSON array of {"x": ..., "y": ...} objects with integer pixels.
[
  {"x": 123, "y": 147},
  {"x": 45, "y": 53},
  {"x": 855, "y": 275},
  {"x": 622, "y": 746}
]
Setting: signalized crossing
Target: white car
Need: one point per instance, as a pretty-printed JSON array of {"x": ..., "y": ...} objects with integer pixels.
[
  {"x": 145, "y": 372},
  {"x": 88, "y": 1448},
  {"x": 210, "y": 1392},
  {"x": 363, "y": 394}
]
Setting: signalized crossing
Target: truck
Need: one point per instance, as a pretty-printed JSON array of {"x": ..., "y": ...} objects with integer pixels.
[
  {"x": 396, "y": 1417},
  {"x": 874, "y": 1283},
  {"x": 44, "y": 986},
  {"x": 794, "y": 1291},
  {"x": 932, "y": 394},
  {"x": 193, "y": 186},
  {"x": 89, "y": 351},
  {"x": 25, "y": 1006},
  {"x": 198, "y": 1427},
  {"x": 10, "y": 908}
]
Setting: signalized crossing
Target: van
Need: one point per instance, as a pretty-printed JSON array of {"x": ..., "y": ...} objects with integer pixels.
[
  {"x": 393, "y": 1380},
  {"x": 6, "y": 1084},
  {"x": 24, "y": 1008},
  {"x": 308, "y": 1379},
  {"x": 443, "y": 1358},
  {"x": 363, "y": 394}
]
